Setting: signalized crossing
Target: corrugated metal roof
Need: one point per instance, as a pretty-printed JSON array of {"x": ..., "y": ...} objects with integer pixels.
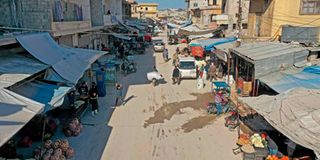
[
  {"x": 225, "y": 47},
  {"x": 263, "y": 50},
  {"x": 293, "y": 78}
]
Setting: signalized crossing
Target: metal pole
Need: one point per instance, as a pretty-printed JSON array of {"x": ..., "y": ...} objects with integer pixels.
[
  {"x": 43, "y": 134},
  {"x": 239, "y": 19}
]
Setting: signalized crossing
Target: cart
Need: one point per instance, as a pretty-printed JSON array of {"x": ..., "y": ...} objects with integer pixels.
[{"x": 218, "y": 85}]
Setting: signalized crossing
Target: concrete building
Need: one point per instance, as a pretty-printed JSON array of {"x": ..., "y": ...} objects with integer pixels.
[
  {"x": 144, "y": 10},
  {"x": 231, "y": 11},
  {"x": 267, "y": 17},
  {"x": 203, "y": 12},
  {"x": 193, "y": 4},
  {"x": 64, "y": 19},
  {"x": 126, "y": 6},
  {"x": 71, "y": 22}
]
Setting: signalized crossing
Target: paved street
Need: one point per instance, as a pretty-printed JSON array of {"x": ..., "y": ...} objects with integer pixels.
[{"x": 165, "y": 122}]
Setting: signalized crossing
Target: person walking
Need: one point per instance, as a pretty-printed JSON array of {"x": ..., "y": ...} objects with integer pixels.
[
  {"x": 201, "y": 71},
  {"x": 176, "y": 75},
  {"x": 93, "y": 94},
  {"x": 206, "y": 68},
  {"x": 165, "y": 55},
  {"x": 178, "y": 50},
  {"x": 119, "y": 94},
  {"x": 175, "y": 59},
  {"x": 212, "y": 72}
]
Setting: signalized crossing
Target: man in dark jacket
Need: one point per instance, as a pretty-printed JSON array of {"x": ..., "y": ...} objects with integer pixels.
[
  {"x": 83, "y": 91},
  {"x": 93, "y": 94},
  {"x": 176, "y": 75}
]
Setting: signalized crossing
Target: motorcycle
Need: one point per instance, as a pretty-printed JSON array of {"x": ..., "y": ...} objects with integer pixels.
[
  {"x": 154, "y": 77},
  {"x": 128, "y": 67}
]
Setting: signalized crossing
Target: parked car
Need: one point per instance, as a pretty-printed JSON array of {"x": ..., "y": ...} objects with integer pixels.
[
  {"x": 187, "y": 67},
  {"x": 158, "y": 45}
]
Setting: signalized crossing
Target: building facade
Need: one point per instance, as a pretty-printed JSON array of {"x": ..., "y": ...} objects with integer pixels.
[
  {"x": 144, "y": 10},
  {"x": 231, "y": 11},
  {"x": 71, "y": 22},
  {"x": 203, "y": 12},
  {"x": 267, "y": 17}
]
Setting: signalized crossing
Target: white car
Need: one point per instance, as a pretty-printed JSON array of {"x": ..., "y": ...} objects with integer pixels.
[
  {"x": 187, "y": 67},
  {"x": 158, "y": 46}
]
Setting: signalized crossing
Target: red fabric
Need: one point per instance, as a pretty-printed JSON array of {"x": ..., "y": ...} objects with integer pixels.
[
  {"x": 183, "y": 41},
  {"x": 148, "y": 38},
  {"x": 197, "y": 51},
  {"x": 201, "y": 74}
]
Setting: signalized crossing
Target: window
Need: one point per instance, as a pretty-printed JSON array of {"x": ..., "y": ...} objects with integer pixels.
[
  {"x": 244, "y": 26},
  {"x": 310, "y": 7},
  {"x": 214, "y": 2},
  {"x": 195, "y": 4},
  {"x": 146, "y": 8}
]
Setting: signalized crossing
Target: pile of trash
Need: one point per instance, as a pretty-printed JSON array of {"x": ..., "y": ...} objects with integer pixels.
[
  {"x": 58, "y": 150},
  {"x": 73, "y": 128}
]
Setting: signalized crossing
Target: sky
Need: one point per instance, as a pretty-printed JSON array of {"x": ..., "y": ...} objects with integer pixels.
[{"x": 163, "y": 4}]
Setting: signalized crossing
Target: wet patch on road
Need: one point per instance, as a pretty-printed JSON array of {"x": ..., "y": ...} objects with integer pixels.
[
  {"x": 198, "y": 123},
  {"x": 168, "y": 110}
]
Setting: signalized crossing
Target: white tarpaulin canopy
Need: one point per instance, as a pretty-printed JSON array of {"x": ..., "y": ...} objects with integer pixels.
[
  {"x": 69, "y": 63},
  {"x": 15, "y": 112},
  {"x": 295, "y": 113}
]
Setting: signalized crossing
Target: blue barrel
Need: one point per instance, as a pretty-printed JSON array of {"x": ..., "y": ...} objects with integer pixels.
[{"x": 100, "y": 76}]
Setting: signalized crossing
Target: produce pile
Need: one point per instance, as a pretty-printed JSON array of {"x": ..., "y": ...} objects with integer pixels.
[
  {"x": 58, "y": 150},
  {"x": 73, "y": 128}
]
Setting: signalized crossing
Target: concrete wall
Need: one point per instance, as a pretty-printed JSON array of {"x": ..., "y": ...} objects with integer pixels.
[
  {"x": 260, "y": 21},
  {"x": 86, "y": 8},
  {"x": 115, "y": 8},
  {"x": 32, "y": 14},
  {"x": 231, "y": 9},
  {"x": 5, "y": 14},
  {"x": 287, "y": 12},
  {"x": 65, "y": 40},
  {"x": 97, "y": 12}
]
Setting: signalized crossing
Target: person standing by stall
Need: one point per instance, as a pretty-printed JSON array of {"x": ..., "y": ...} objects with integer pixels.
[
  {"x": 218, "y": 98},
  {"x": 272, "y": 146},
  {"x": 93, "y": 94},
  {"x": 291, "y": 147},
  {"x": 121, "y": 50},
  {"x": 83, "y": 91}
]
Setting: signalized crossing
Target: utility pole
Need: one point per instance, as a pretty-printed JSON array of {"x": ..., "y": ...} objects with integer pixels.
[{"x": 239, "y": 16}]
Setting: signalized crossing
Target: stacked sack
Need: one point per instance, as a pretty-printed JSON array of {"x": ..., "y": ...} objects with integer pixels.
[
  {"x": 257, "y": 140},
  {"x": 73, "y": 128},
  {"x": 58, "y": 150}
]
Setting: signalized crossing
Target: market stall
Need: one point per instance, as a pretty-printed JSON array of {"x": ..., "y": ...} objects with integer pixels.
[
  {"x": 252, "y": 61},
  {"x": 293, "y": 114}
]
